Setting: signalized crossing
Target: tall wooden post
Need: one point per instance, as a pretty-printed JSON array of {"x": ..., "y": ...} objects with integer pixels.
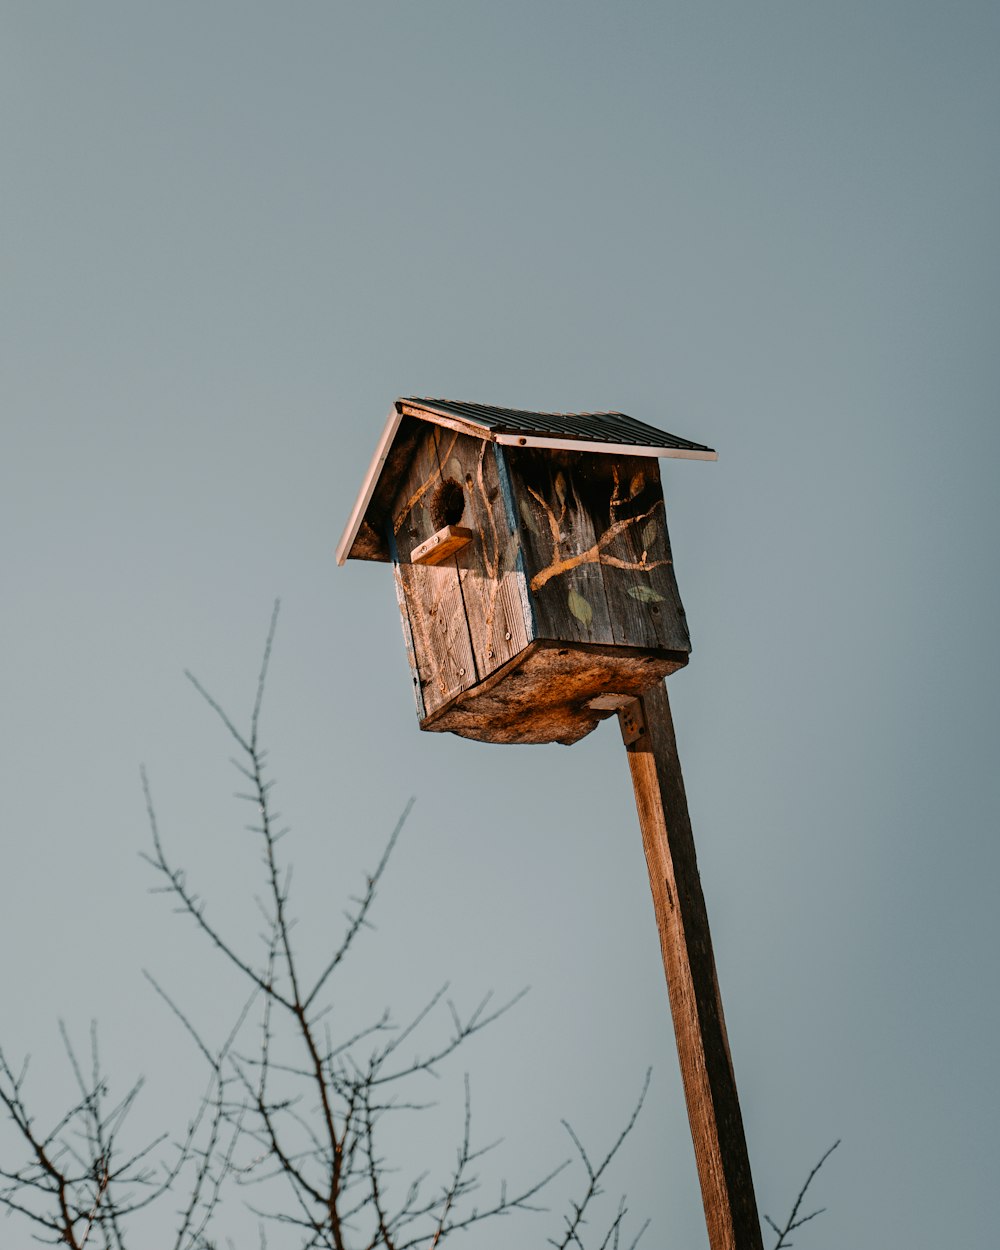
[{"x": 695, "y": 1003}]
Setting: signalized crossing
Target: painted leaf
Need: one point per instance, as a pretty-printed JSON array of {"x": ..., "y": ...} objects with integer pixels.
[
  {"x": 527, "y": 518},
  {"x": 650, "y": 533},
  {"x": 580, "y": 607},
  {"x": 645, "y": 594},
  {"x": 636, "y": 485}
]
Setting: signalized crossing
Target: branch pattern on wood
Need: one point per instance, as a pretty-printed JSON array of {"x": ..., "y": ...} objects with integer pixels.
[
  {"x": 600, "y": 566},
  {"x": 596, "y": 552},
  {"x": 560, "y": 528}
]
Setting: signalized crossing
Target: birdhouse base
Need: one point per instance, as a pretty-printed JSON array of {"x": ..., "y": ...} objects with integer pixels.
[{"x": 552, "y": 692}]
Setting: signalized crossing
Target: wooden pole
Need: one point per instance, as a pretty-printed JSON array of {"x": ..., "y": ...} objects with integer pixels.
[{"x": 702, "y": 1046}]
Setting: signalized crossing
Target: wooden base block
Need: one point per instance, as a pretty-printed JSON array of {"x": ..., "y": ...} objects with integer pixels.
[{"x": 553, "y": 692}]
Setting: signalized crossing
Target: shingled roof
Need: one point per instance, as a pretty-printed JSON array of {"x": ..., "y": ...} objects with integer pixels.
[{"x": 605, "y": 433}]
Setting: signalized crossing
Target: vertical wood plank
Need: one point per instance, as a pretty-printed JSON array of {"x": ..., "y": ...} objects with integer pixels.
[
  {"x": 440, "y": 633},
  {"x": 433, "y": 594},
  {"x": 686, "y": 946},
  {"x": 404, "y": 616},
  {"x": 513, "y": 519},
  {"x": 487, "y": 567}
]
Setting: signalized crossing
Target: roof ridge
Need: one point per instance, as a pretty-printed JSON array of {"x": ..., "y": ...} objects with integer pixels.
[{"x": 535, "y": 412}]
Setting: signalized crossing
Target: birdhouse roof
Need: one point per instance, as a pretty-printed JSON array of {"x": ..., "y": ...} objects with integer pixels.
[
  {"x": 506, "y": 425},
  {"x": 604, "y": 433}
]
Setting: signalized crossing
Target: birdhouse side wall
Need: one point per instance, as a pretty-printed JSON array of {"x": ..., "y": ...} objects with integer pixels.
[
  {"x": 468, "y": 615},
  {"x": 596, "y": 550}
]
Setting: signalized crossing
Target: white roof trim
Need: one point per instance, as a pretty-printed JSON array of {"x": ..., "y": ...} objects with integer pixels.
[
  {"x": 369, "y": 484},
  {"x": 615, "y": 449}
]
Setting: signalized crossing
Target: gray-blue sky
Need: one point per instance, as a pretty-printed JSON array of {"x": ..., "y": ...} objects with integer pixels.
[{"x": 231, "y": 235}]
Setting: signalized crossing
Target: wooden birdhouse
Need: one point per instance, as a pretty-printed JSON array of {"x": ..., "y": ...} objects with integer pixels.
[
  {"x": 536, "y": 586},
  {"x": 532, "y": 563}
]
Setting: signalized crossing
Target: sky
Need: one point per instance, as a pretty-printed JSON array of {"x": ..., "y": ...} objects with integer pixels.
[{"x": 230, "y": 236}]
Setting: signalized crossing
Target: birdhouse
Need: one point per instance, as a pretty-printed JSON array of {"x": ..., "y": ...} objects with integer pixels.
[{"x": 532, "y": 563}]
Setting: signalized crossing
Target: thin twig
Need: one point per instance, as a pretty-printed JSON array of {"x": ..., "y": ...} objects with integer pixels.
[{"x": 794, "y": 1220}]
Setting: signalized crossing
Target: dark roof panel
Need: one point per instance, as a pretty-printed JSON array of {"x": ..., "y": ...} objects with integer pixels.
[{"x": 593, "y": 427}]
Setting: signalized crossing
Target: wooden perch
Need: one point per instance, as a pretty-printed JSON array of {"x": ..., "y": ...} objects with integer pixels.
[{"x": 441, "y": 545}]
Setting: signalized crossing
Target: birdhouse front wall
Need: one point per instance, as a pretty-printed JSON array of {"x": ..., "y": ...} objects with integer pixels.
[{"x": 466, "y": 617}]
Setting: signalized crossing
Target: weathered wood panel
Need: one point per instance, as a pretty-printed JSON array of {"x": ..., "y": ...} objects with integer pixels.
[
  {"x": 527, "y": 609},
  {"x": 561, "y": 545},
  {"x": 553, "y": 693},
  {"x": 492, "y": 583},
  {"x": 433, "y": 594},
  {"x": 404, "y": 615},
  {"x": 597, "y": 550},
  {"x": 686, "y": 946},
  {"x": 626, "y": 502}
]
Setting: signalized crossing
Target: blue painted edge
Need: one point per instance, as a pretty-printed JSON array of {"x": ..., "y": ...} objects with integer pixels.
[{"x": 514, "y": 521}]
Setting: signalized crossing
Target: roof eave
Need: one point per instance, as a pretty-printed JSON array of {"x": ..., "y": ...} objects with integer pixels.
[
  {"x": 368, "y": 486},
  {"x": 606, "y": 449}
]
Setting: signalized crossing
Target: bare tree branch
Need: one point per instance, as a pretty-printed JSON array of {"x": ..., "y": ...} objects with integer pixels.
[
  {"x": 795, "y": 1220},
  {"x": 300, "y": 1100},
  {"x": 576, "y": 1219}
]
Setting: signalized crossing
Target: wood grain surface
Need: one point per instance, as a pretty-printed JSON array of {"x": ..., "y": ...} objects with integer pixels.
[
  {"x": 442, "y": 646},
  {"x": 597, "y": 552},
  {"x": 552, "y": 693},
  {"x": 695, "y": 1003}
]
